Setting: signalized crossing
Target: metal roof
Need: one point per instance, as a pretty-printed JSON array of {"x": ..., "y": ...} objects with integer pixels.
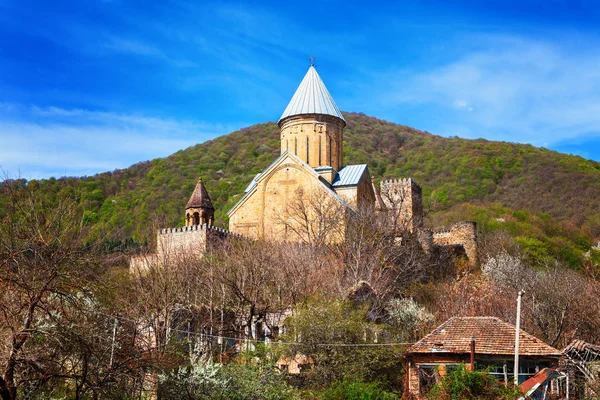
[
  {"x": 252, "y": 184},
  {"x": 349, "y": 175},
  {"x": 312, "y": 97}
]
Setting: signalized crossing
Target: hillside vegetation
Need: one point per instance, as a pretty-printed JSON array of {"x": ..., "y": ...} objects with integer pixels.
[{"x": 546, "y": 199}]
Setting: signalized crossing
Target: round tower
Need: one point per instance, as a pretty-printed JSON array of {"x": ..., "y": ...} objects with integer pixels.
[
  {"x": 312, "y": 126},
  {"x": 199, "y": 209}
]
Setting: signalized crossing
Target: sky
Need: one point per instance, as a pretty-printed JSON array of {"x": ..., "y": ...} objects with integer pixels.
[{"x": 92, "y": 86}]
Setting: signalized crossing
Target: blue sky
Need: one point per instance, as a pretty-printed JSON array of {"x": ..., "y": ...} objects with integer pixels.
[{"x": 91, "y": 86}]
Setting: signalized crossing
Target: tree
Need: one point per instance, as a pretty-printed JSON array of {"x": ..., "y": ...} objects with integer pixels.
[
  {"x": 340, "y": 341},
  {"x": 47, "y": 302}
]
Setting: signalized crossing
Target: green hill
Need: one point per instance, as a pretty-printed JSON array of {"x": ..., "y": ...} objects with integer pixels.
[{"x": 548, "y": 200}]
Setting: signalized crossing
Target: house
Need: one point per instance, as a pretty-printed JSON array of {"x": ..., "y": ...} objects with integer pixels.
[{"x": 489, "y": 339}]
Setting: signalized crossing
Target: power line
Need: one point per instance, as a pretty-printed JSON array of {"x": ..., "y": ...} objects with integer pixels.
[{"x": 237, "y": 339}]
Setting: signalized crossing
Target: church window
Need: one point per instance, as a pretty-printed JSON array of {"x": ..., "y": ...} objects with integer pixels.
[
  {"x": 307, "y": 159},
  {"x": 296, "y": 146},
  {"x": 330, "y": 153},
  {"x": 319, "y": 150}
]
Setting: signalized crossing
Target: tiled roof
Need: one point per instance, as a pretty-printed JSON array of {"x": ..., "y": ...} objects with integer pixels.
[
  {"x": 492, "y": 336},
  {"x": 349, "y": 175},
  {"x": 312, "y": 97},
  {"x": 200, "y": 197}
]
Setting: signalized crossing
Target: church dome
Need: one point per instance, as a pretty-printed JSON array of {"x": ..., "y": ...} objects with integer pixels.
[{"x": 312, "y": 97}]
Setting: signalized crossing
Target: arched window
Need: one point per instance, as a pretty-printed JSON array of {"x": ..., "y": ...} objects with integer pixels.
[
  {"x": 187, "y": 218},
  {"x": 196, "y": 218}
]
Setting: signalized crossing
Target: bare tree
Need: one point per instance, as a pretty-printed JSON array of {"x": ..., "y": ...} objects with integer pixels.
[
  {"x": 47, "y": 303},
  {"x": 315, "y": 218}
]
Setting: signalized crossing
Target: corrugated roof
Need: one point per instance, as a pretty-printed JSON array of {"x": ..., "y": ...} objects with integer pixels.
[
  {"x": 492, "y": 336},
  {"x": 312, "y": 97},
  {"x": 349, "y": 175}
]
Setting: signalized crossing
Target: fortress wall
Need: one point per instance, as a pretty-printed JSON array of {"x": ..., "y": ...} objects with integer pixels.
[
  {"x": 425, "y": 239},
  {"x": 462, "y": 233},
  {"x": 191, "y": 240},
  {"x": 187, "y": 239},
  {"x": 403, "y": 200}
]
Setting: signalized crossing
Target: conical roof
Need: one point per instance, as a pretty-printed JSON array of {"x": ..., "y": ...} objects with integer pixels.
[
  {"x": 200, "y": 197},
  {"x": 312, "y": 97}
]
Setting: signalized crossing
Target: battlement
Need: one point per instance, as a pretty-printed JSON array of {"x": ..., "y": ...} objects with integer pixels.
[
  {"x": 190, "y": 228},
  {"x": 403, "y": 202},
  {"x": 192, "y": 240},
  {"x": 462, "y": 233},
  {"x": 400, "y": 182}
]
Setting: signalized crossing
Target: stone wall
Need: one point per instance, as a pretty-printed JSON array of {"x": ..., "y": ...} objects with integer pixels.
[
  {"x": 403, "y": 201},
  {"x": 284, "y": 199},
  {"x": 173, "y": 243},
  {"x": 316, "y": 139},
  {"x": 462, "y": 233}
]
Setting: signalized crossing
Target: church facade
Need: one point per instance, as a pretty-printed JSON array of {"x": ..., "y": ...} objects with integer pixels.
[{"x": 307, "y": 191}]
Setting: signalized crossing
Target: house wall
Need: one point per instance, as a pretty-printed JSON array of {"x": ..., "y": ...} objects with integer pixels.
[{"x": 441, "y": 361}]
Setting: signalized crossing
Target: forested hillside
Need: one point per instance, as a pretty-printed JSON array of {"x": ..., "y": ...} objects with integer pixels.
[
  {"x": 547, "y": 200},
  {"x": 82, "y": 326}
]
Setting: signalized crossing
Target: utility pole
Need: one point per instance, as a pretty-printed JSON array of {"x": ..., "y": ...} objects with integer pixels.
[
  {"x": 517, "y": 331},
  {"x": 112, "y": 347}
]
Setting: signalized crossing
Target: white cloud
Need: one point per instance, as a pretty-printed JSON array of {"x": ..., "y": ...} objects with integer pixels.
[
  {"x": 516, "y": 89},
  {"x": 42, "y": 142}
]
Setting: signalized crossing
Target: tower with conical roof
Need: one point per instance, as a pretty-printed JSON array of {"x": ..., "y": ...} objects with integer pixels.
[
  {"x": 312, "y": 126},
  {"x": 199, "y": 209}
]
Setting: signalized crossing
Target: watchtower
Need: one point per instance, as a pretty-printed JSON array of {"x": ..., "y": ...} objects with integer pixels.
[{"x": 199, "y": 209}]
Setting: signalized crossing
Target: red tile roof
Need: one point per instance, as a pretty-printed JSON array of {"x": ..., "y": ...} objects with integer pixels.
[{"x": 492, "y": 336}]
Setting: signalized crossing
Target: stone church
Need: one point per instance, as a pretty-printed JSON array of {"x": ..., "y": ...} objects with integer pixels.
[{"x": 307, "y": 189}]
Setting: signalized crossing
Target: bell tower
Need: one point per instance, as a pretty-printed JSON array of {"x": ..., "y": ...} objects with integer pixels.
[
  {"x": 312, "y": 126},
  {"x": 199, "y": 209}
]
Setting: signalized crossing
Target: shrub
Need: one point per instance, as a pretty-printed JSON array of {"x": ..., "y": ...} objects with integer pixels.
[
  {"x": 463, "y": 384},
  {"x": 351, "y": 390},
  {"x": 203, "y": 379}
]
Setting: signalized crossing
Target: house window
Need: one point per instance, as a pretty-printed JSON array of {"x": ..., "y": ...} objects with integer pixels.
[{"x": 428, "y": 376}]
